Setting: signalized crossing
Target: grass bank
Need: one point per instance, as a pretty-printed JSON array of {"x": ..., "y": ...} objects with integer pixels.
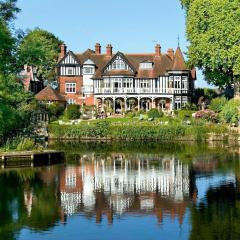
[{"x": 140, "y": 131}]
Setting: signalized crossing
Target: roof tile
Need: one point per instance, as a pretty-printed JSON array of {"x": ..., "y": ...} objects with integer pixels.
[{"x": 49, "y": 94}]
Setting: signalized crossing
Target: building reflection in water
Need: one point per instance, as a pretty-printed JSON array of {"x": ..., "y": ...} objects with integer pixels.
[{"x": 111, "y": 186}]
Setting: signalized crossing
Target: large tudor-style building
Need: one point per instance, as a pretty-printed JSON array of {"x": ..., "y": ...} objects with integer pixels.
[{"x": 125, "y": 81}]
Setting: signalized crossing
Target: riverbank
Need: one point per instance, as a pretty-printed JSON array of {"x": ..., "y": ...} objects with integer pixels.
[{"x": 105, "y": 130}]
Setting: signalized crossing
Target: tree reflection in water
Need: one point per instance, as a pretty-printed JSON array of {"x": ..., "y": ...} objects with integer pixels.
[{"x": 26, "y": 201}]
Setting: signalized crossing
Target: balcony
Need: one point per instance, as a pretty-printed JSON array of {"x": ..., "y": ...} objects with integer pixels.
[
  {"x": 140, "y": 91},
  {"x": 87, "y": 89}
]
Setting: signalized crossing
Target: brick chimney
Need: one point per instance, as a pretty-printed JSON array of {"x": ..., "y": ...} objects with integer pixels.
[
  {"x": 63, "y": 50},
  {"x": 109, "y": 50},
  {"x": 158, "y": 50},
  {"x": 98, "y": 48},
  {"x": 170, "y": 53}
]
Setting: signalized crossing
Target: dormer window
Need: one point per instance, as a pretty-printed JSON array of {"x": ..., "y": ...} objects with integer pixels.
[
  {"x": 88, "y": 70},
  {"x": 118, "y": 64},
  {"x": 146, "y": 65},
  {"x": 88, "y": 67}
]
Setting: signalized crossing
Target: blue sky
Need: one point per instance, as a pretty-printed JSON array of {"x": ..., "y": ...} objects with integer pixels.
[{"x": 129, "y": 25}]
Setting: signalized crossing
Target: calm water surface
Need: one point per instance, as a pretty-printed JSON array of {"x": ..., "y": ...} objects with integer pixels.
[{"x": 125, "y": 191}]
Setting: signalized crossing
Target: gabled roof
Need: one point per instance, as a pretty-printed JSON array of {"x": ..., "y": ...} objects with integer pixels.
[
  {"x": 114, "y": 58},
  {"x": 89, "y": 62},
  {"x": 67, "y": 54},
  {"x": 49, "y": 94},
  {"x": 178, "y": 61}
]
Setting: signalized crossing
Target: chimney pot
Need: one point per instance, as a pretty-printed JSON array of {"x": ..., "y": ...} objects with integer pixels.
[
  {"x": 63, "y": 50},
  {"x": 170, "y": 53},
  {"x": 109, "y": 50},
  {"x": 98, "y": 48},
  {"x": 158, "y": 50}
]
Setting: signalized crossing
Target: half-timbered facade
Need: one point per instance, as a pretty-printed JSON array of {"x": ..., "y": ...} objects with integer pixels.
[{"x": 123, "y": 82}]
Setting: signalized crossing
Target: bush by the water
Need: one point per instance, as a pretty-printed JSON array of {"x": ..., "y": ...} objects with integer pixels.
[
  {"x": 184, "y": 114},
  {"x": 72, "y": 112},
  {"x": 217, "y": 104},
  {"x": 206, "y": 114},
  {"x": 20, "y": 144},
  {"x": 231, "y": 112},
  {"x": 154, "y": 113}
]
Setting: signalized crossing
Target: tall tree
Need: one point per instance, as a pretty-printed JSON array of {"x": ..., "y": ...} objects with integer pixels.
[
  {"x": 40, "y": 49},
  {"x": 15, "y": 106},
  {"x": 213, "y": 30},
  {"x": 8, "y": 10},
  {"x": 7, "y": 44}
]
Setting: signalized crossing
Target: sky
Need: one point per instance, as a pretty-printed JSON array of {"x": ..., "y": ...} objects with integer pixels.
[{"x": 129, "y": 25}]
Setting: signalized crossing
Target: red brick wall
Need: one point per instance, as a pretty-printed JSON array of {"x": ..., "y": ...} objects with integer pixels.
[
  {"x": 79, "y": 82},
  {"x": 78, "y": 96},
  {"x": 89, "y": 100}
]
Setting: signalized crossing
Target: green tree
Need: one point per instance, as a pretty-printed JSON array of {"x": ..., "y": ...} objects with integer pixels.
[
  {"x": 40, "y": 49},
  {"x": 8, "y": 10},
  {"x": 7, "y": 44},
  {"x": 15, "y": 106},
  {"x": 213, "y": 30}
]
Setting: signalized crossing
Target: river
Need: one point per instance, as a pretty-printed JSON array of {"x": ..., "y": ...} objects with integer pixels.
[{"x": 125, "y": 191}]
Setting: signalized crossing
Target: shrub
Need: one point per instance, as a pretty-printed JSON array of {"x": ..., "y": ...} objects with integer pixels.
[
  {"x": 54, "y": 111},
  {"x": 20, "y": 143},
  {"x": 154, "y": 113},
  {"x": 26, "y": 144},
  {"x": 231, "y": 111},
  {"x": 207, "y": 114},
  {"x": 131, "y": 114},
  {"x": 217, "y": 104},
  {"x": 190, "y": 106},
  {"x": 72, "y": 112},
  {"x": 184, "y": 114}
]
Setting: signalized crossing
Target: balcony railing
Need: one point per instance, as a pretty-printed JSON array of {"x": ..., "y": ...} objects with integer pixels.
[
  {"x": 140, "y": 90},
  {"x": 87, "y": 89}
]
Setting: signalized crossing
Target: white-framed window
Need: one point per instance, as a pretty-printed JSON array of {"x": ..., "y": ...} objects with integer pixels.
[
  {"x": 177, "y": 103},
  {"x": 170, "y": 82},
  {"x": 119, "y": 64},
  {"x": 117, "y": 83},
  {"x": 145, "y": 83},
  {"x": 71, "y": 101},
  {"x": 70, "y": 87},
  {"x": 177, "y": 82},
  {"x": 107, "y": 83},
  {"x": 69, "y": 70},
  {"x": 127, "y": 83},
  {"x": 184, "y": 82},
  {"x": 88, "y": 70},
  {"x": 146, "y": 65}
]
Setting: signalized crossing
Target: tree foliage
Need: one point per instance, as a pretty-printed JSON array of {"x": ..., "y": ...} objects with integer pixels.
[
  {"x": 40, "y": 48},
  {"x": 7, "y": 43},
  {"x": 8, "y": 10},
  {"x": 213, "y": 30},
  {"x": 15, "y": 106}
]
